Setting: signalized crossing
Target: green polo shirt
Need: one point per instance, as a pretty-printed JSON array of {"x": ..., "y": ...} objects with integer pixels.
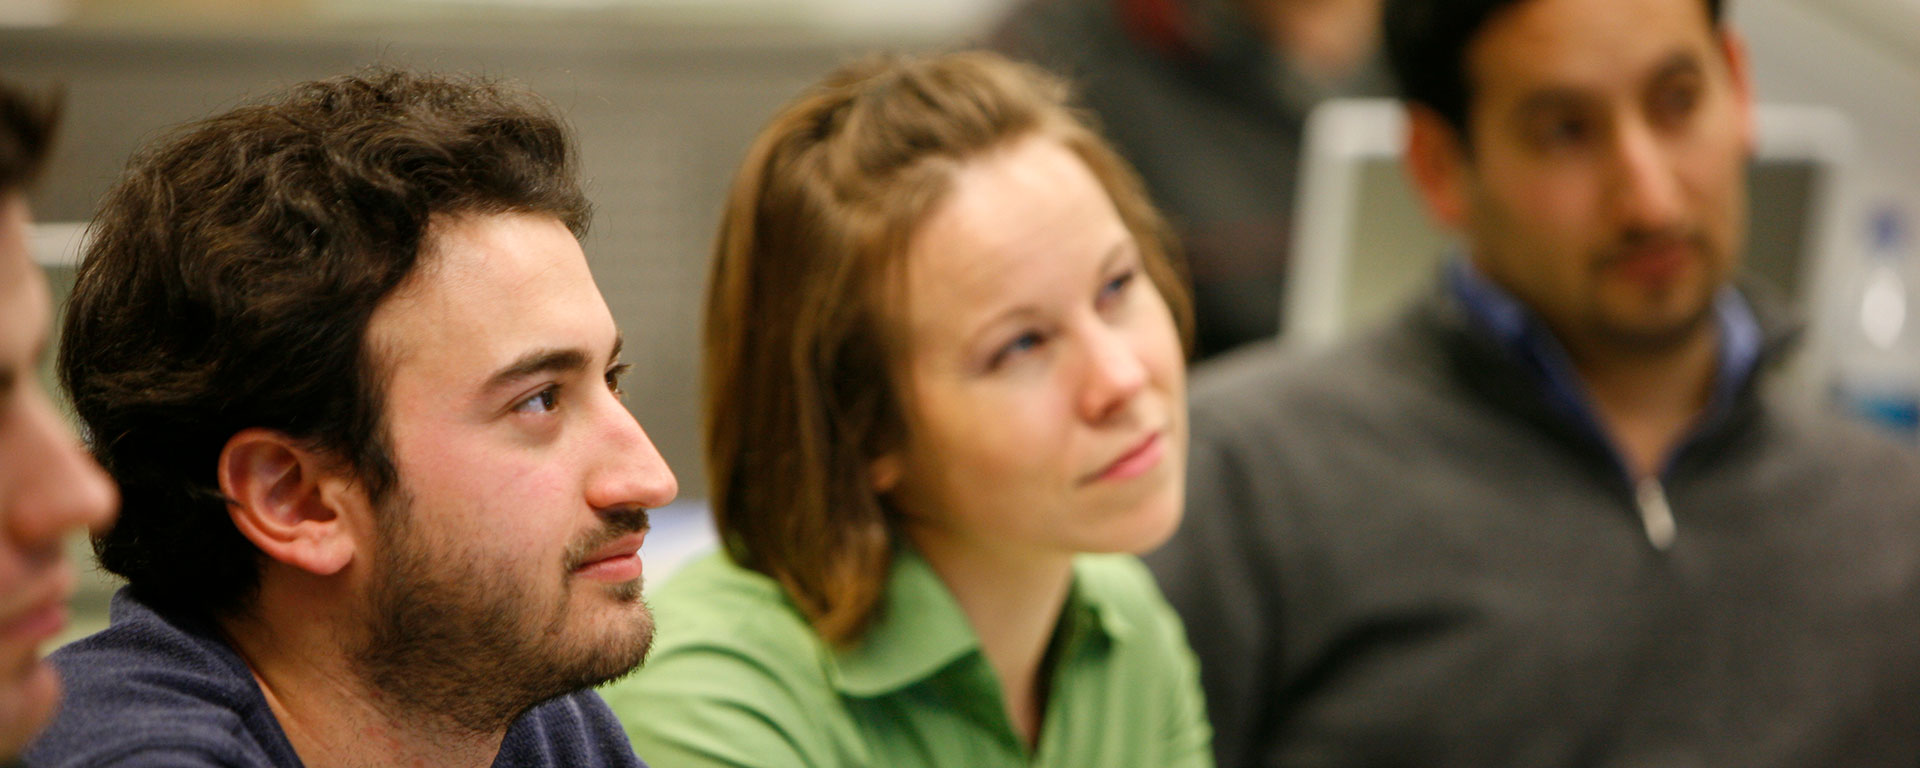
[{"x": 738, "y": 678}]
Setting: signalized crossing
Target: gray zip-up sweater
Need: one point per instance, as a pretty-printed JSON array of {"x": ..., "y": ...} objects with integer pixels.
[{"x": 1396, "y": 553}]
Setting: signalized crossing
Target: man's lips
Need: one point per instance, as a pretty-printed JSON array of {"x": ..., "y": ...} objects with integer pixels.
[
  {"x": 41, "y": 612},
  {"x": 616, "y": 561},
  {"x": 1143, "y": 456},
  {"x": 1654, "y": 261}
]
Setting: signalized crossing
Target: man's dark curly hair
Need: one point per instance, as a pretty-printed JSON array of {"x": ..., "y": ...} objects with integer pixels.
[
  {"x": 230, "y": 279},
  {"x": 26, "y": 134},
  {"x": 1427, "y": 42}
]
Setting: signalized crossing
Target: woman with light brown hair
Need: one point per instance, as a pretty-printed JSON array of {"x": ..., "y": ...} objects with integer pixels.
[{"x": 945, "y": 400}]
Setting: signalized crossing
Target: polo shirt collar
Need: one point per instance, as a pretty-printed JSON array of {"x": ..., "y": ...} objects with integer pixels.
[{"x": 919, "y": 630}]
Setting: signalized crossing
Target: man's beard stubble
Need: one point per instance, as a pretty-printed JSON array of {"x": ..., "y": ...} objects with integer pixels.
[
  {"x": 1665, "y": 338},
  {"x": 450, "y": 639}
]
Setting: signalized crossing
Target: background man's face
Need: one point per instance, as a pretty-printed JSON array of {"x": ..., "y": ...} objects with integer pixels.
[
  {"x": 508, "y": 570},
  {"x": 1605, "y": 180},
  {"x": 1324, "y": 40},
  {"x": 49, "y": 488}
]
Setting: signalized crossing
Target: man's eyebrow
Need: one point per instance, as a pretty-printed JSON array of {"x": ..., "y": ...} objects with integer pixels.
[
  {"x": 537, "y": 362},
  {"x": 9, "y": 378},
  {"x": 1549, "y": 101},
  {"x": 546, "y": 361},
  {"x": 1676, "y": 64}
]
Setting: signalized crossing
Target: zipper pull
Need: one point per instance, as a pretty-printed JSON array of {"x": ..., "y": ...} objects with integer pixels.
[{"x": 1655, "y": 514}]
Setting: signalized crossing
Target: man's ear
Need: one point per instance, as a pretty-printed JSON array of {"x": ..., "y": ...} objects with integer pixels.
[
  {"x": 286, "y": 499},
  {"x": 1437, "y": 165},
  {"x": 1733, "y": 48}
]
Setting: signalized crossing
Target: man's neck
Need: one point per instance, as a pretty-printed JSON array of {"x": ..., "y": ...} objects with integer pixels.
[
  {"x": 1647, "y": 400},
  {"x": 331, "y": 716}
]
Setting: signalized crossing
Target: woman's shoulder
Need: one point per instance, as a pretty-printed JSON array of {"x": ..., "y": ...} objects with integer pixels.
[
  {"x": 1148, "y": 650},
  {"x": 1118, "y": 579},
  {"x": 1119, "y": 586},
  {"x": 713, "y": 602},
  {"x": 720, "y": 629},
  {"x": 735, "y": 673}
]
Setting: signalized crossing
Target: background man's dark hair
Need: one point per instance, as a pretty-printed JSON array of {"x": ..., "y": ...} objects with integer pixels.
[
  {"x": 26, "y": 134},
  {"x": 230, "y": 280},
  {"x": 1427, "y": 41}
]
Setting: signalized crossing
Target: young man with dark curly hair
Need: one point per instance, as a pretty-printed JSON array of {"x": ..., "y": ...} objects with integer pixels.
[{"x": 383, "y": 503}]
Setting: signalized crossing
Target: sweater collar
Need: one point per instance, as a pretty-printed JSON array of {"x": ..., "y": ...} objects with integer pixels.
[{"x": 1517, "y": 330}]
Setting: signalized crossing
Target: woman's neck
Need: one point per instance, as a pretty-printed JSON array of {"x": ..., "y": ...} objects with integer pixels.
[{"x": 1013, "y": 601}]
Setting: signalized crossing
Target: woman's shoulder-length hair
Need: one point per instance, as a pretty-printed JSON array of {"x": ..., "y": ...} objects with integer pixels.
[{"x": 800, "y": 354}]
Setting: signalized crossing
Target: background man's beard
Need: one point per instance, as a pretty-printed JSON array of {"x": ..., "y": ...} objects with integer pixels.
[
  {"x": 1660, "y": 340},
  {"x": 451, "y": 640}
]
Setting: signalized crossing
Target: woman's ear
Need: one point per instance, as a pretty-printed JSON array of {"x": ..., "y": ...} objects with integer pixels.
[
  {"x": 884, "y": 473},
  {"x": 277, "y": 494}
]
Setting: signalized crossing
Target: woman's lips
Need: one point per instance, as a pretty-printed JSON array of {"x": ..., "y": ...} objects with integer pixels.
[{"x": 1137, "y": 461}]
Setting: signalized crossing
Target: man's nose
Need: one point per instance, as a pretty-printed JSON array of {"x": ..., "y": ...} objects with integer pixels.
[
  {"x": 629, "y": 471},
  {"x": 59, "y": 487},
  {"x": 1647, "y": 183}
]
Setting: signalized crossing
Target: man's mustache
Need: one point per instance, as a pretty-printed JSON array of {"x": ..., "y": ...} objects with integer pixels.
[
  {"x": 1634, "y": 242},
  {"x": 619, "y": 522}
]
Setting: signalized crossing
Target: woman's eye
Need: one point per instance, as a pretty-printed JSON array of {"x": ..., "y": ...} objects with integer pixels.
[
  {"x": 1117, "y": 286},
  {"x": 613, "y": 377},
  {"x": 1022, "y": 344},
  {"x": 541, "y": 402}
]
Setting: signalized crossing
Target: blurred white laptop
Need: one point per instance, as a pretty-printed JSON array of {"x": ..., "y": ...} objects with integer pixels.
[
  {"x": 57, "y": 244},
  {"x": 1362, "y": 244}
]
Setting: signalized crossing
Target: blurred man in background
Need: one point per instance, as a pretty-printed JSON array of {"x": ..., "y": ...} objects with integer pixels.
[
  {"x": 49, "y": 487},
  {"x": 383, "y": 505},
  {"x": 1553, "y": 515},
  {"x": 1208, "y": 98}
]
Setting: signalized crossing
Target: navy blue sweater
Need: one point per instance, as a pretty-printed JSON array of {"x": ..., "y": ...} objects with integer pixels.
[{"x": 154, "y": 690}]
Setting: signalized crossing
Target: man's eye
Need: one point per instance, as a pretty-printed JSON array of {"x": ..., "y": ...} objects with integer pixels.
[
  {"x": 1673, "y": 105},
  {"x": 1564, "y": 132},
  {"x": 613, "y": 377},
  {"x": 543, "y": 401}
]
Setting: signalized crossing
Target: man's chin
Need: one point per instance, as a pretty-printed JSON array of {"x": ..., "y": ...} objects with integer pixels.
[
  {"x": 1659, "y": 335},
  {"x": 618, "y": 657},
  {"x": 627, "y": 592},
  {"x": 27, "y": 704},
  {"x": 622, "y": 646}
]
